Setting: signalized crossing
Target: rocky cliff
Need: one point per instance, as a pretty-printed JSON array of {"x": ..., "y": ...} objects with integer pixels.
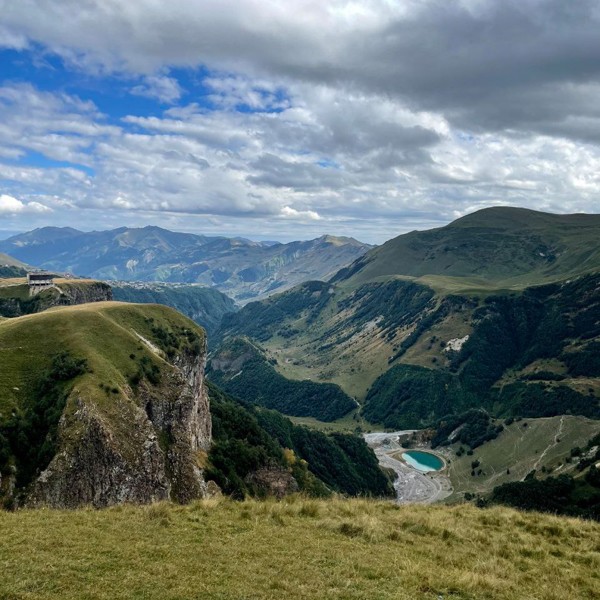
[
  {"x": 135, "y": 424},
  {"x": 15, "y": 299}
]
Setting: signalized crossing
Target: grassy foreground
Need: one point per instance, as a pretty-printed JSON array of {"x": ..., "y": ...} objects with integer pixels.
[{"x": 298, "y": 548}]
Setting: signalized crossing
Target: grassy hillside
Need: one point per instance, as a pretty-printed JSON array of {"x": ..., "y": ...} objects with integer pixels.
[
  {"x": 503, "y": 247},
  {"x": 206, "y": 306},
  {"x": 412, "y": 356},
  {"x": 543, "y": 445},
  {"x": 321, "y": 332},
  {"x": 297, "y": 549},
  {"x": 113, "y": 357},
  {"x": 92, "y": 355},
  {"x": 104, "y": 333}
]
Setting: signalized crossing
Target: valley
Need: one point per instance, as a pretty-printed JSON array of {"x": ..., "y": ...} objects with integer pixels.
[
  {"x": 411, "y": 485},
  {"x": 369, "y": 351},
  {"x": 381, "y": 333}
]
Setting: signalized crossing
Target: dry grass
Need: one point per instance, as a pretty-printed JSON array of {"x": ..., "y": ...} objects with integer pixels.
[
  {"x": 544, "y": 442},
  {"x": 297, "y": 548}
]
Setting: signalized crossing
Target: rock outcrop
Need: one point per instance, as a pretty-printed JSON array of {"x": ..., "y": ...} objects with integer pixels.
[
  {"x": 16, "y": 301},
  {"x": 273, "y": 481},
  {"x": 150, "y": 446}
]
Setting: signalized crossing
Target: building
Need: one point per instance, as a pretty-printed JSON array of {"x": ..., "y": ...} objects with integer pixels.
[{"x": 38, "y": 282}]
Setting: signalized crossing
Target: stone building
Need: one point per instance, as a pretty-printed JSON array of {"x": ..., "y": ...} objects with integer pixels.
[{"x": 38, "y": 282}]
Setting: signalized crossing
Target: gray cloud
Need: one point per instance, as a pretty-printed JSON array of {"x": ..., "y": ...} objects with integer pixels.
[
  {"x": 515, "y": 64},
  {"x": 389, "y": 115}
]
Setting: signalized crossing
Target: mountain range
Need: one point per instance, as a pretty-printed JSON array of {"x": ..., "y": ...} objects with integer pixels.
[
  {"x": 241, "y": 268},
  {"x": 498, "y": 310},
  {"x": 460, "y": 332}
]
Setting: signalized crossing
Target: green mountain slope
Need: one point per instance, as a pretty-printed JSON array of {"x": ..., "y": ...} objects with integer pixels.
[
  {"x": 241, "y": 368},
  {"x": 206, "y": 306},
  {"x": 544, "y": 445},
  {"x": 498, "y": 247},
  {"x": 101, "y": 403},
  {"x": 258, "y": 452},
  {"x": 444, "y": 344},
  {"x": 97, "y": 403}
]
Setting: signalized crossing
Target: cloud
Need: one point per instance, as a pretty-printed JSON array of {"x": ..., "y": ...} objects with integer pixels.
[
  {"x": 288, "y": 212},
  {"x": 60, "y": 126},
  {"x": 12, "y": 40},
  {"x": 368, "y": 117},
  {"x": 10, "y": 205},
  {"x": 165, "y": 89},
  {"x": 516, "y": 64}
]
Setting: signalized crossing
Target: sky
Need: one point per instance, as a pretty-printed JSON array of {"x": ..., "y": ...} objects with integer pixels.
[{"x": 288, "y": 120}]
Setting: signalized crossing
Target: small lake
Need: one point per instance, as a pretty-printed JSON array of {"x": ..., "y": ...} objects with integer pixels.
[{"x": 423, "y": 461}]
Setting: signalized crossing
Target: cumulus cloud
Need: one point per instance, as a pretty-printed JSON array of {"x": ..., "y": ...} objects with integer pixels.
[
  {"x": 165, "y": 89},
  {"x": 367, "y": 117},
  {"x": 60, "y": 126},
  {"x": 510, "y": 64},
  {"x": 11, "y": 206},
  {"x": 287, "y": 212}
]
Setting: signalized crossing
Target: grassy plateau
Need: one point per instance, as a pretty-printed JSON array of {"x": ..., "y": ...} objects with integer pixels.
[{"x": 297, "y": 548}]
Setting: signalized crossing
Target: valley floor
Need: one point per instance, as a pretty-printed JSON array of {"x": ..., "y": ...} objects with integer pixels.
[
  {"x": 410, "y": 484},
  {"x": 297, "y": 548},
  {"x": 543, "y": 445}
]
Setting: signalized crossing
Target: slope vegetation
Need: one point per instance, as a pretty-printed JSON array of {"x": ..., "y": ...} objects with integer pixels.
[
  {"x": 242, "y": 369},
  {"x": 544, "y": 446},
  {"x": 497, "y": 247},
  {"x": 258, "y": 452},
  {"x": 101, "y": 403},
  {"x": 351, "y": 549},
  {"x": 499, "y": 309}
]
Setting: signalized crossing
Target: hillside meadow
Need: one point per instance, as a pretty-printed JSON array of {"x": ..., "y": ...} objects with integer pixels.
[{"x": 297, "y": 548}]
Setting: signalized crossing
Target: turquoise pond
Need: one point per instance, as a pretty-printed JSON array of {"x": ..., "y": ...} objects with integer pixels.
[{"x": 423, "y": 461}]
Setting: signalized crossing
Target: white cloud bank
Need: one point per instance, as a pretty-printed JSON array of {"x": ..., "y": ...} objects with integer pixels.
[
  {"x": 363, "y": 118},
  {"x": 12, "y": 206}
]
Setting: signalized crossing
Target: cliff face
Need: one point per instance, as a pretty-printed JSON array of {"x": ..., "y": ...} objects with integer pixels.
[
  {"x": 134, "y": 422},
  {"x": 15, "y": 300},
  {"x": 153, "y": 450},
  {"x": 82, "y": 292}
]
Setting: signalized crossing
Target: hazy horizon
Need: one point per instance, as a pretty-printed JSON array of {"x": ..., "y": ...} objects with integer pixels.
[{"x": 359, "y": 118}]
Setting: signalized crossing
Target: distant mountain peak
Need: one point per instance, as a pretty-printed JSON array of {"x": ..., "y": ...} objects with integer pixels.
[{"x": 242, "y": 268}]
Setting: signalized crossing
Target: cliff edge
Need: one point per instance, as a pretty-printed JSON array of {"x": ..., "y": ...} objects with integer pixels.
[{"x": 104, "y": 404}]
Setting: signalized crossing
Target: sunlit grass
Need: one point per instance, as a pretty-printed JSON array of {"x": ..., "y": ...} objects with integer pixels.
[{"x": 298, "y": 548}]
